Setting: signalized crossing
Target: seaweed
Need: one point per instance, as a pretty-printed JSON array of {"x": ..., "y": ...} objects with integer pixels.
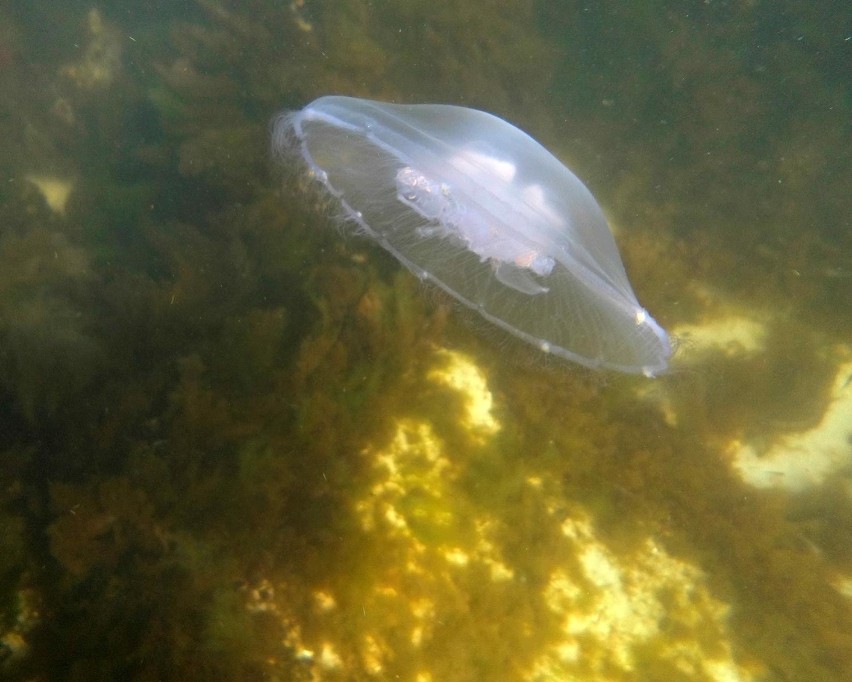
[{"x": 237, "y": 443}]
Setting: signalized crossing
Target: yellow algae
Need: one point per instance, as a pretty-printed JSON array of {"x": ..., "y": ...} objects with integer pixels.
[
  {"x": 619, "y": 605},
  {"x": 429, "y": 555},
  {"x": 329, "y": 658},
  {"x": 423, "y": 611},
  {"x": 296, "y": 9},
  {"x": 806, "y": 458},
  {"x": 438, "y": 576},
  {"x": 731, "y": 334},
  {"x": 372, "y": 654},
  {"x": 417, "y": 557},
  {"x": 411, "y": 480},
  {"x": 54, "y": 190},
  {"x": 14, "y": 641},
  {"x": 457, "y": 556},
  {"x": 324, "y": 601},
  {"x": 413, "y": 496},
  {"x": 101, "y": 61},
  {"x": 843, "y": 584},
  {"x": 460, "y": 373}
]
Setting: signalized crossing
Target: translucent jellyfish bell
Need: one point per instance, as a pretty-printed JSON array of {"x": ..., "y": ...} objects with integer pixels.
[{"x": 467, "y": 201}]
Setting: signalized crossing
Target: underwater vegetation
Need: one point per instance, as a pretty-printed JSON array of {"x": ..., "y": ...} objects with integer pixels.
[{"x": 239, "y": 443}]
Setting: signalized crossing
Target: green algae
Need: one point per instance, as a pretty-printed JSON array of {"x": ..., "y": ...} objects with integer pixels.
[{"x": 237, "y": 461}]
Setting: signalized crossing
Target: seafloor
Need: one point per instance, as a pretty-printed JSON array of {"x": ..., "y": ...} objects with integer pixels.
[{"x": 237, "y": 442}]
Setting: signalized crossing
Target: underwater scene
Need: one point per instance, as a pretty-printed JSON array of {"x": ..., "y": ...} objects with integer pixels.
[{"x": 300, "y": 416}]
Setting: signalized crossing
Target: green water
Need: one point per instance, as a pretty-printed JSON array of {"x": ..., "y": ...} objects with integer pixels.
[{"x": 238, "y": 442}]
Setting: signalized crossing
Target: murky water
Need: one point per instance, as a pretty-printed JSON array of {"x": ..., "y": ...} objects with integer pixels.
[{"x": 239, "y": 443}]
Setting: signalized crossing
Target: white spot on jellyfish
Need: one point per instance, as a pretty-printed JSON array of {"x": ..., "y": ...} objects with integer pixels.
[
  {"x": 481, "y": 209},
  {"x": 476, "y": 163},
  {"x": 430, "y": 199}
]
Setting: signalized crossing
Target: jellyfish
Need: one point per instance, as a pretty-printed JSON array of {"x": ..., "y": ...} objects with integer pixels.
[{"x": 472, "y": 204}]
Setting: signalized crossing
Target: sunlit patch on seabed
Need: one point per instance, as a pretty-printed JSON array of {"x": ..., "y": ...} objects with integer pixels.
[
  {"x": 617, "y": 603},
  {"x": 54, "y": 190},
  {"x": 731, "y": 334},
  {"x": 461, "y": 373},
  {"x": 807, "y": 458},
  {"x": 436, "y": 575}
]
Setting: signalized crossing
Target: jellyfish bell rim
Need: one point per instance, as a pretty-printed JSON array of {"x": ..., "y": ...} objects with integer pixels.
[{"x": 599, "y": 273}]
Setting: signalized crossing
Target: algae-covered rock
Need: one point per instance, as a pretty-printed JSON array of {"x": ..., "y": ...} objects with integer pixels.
[
  {"x": 48, "y": 354},
  {"x": 239, "y": 442}
]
